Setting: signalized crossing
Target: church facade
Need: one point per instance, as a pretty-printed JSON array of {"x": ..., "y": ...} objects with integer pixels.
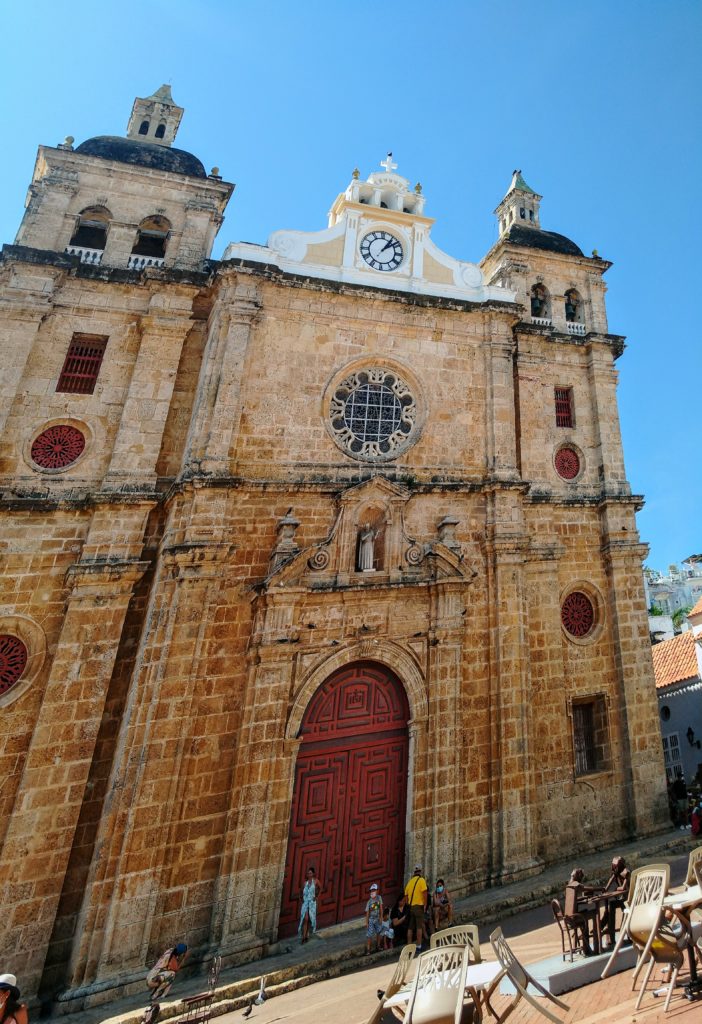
[{"x": 319, "y": 555}]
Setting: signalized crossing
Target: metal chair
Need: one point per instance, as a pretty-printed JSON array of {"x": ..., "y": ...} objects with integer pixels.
[
  {"x": 567, "y": 929},
  {"x": 521, "y": 979},
  {"x": 647, "y": 884},
  {"x": 458, "y": 935},
  {"x": 198, "y": 1009},
  {"x": 438, "y": 993},
  {"x": 399, "y": 977}
]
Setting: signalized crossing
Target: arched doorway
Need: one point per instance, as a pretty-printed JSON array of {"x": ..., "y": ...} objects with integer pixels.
[{"x": 348, "y": 807}]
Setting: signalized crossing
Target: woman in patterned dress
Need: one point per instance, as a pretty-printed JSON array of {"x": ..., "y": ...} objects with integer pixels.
[{"x": 308, "y": 910}]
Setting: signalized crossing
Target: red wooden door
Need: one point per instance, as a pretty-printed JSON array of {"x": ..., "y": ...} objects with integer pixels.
[{"x": 348, "y": 809}]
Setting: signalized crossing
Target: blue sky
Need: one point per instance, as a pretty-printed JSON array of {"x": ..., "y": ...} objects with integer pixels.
[{"x": 598, "y": 103}]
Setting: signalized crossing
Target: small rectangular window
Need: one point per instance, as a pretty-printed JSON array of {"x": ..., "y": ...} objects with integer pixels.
[
  {"x": 671, "y": 755},
  {"x": 82, "y": 365},
  {"x": 590, "y": 735},
  {"x": 564, "y": 407}
]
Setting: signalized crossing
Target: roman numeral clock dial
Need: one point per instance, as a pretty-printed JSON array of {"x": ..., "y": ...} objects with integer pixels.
[{"x": 381, "y": 250}]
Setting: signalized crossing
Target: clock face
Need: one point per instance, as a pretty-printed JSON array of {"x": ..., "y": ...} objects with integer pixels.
[{"x": 381, "y": 250}]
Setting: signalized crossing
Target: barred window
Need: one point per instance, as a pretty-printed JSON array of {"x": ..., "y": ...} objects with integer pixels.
[
  {"x": 590, "y": 743},
  {"x": 564, "y": 407},
  {"x": 82, "y": 365}
]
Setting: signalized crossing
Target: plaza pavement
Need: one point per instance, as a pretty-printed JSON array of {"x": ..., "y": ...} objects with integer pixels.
[{"x": 329, "y": 979}]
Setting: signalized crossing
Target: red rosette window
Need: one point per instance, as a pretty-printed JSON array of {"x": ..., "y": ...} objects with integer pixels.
[
  {"x": 13, "y": 661},
  {"x": 57, "y": 447},
  {"x": 577, "y": 614},
  {"x": 567, "y": 463}
]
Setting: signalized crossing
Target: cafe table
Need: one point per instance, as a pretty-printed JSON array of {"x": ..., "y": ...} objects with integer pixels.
[
  {"x": 479, "y": 977},
  {"x": 682, "y": 903}
]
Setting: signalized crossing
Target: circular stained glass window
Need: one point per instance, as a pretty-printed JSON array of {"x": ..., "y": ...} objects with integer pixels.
[
  {"x": 13, "y": 660},
  {"x": 567, "y": 462},
  {"x": 373, "y": 414},
  {"x": 577, "y": 614},
  {"x": 57, "y": 447}
]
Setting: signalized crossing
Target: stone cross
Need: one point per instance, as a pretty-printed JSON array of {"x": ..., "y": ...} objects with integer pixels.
[{"x": 388, "y": 164}]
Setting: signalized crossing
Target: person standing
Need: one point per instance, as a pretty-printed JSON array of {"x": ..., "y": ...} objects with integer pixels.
[
  {"x": 308, "y": 910},
  {"x": 374, "y": 918},
  {"x": 162, "y": 975},
  {"x": 416, "y": 893},
  {"x": 679, "y": 790},
  {"x": 12, "y": 1011}
]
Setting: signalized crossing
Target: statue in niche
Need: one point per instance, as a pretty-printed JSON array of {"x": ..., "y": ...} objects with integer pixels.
[{"x": 366, "y": 548}]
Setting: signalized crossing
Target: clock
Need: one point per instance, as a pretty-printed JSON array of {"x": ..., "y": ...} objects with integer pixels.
[{"x": 381, "y": 250}]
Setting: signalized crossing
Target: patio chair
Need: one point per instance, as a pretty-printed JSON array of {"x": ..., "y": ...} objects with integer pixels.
[
  {"x": 198, "y": 1009},
  {"x": 694, "y": 858},
  {"x": 521, "y": 979},
  {"x": 458, "y": 935},
  {"x": 647, "y": 884},
  {"x": 438, "y": 993},
  {"x": 398, "y": 979},
  {"x": 650, "y": 931},
  {"x": 568, "y": 932}
]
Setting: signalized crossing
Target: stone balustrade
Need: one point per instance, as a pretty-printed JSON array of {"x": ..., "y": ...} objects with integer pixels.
[
  {"x": 92, "y": 256},
  {"x": 577, "y": 329},
  {"x": 541, "y": 321},
  {"x": 140, "y": 262}
]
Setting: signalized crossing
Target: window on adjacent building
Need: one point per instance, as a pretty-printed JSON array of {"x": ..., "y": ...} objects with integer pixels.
[
  {"x": 564, "y": 407},
  {"x": 590, "y": 744},
  {"x": 152, "y": 237},
  {"x": 91, "y": 228},
  {"x": 671, "y": 755},
  {"x": 82, "y": 364}
]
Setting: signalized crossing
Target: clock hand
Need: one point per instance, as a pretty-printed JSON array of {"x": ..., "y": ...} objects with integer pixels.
[{"x": 388, "y": 245}]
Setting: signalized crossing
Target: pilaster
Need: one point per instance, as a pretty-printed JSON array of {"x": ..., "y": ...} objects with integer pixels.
[
  {"x": 602, "y": 378},
  {"x": 40, "y": 834}
]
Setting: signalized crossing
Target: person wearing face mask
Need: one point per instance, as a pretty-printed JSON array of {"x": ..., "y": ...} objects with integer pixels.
[{"x": 442, "y": 906}]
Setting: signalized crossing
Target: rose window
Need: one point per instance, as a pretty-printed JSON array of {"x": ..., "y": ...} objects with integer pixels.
[
  {"x": 13, "y": 661},
  {"x": 577, "y": 614},
  {"x": 57, "y": 447},
  {"x": 567, "y": 463},
  {"x": 373, "y": 414}
]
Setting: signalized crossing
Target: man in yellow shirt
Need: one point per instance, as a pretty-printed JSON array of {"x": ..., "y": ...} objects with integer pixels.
[{"x": 416, "y": 893}]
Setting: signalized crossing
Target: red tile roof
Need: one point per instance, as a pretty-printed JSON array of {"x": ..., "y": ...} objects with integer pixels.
[
  {"x": 697, "y": 609},
  {"x": 675, "y": 660}
]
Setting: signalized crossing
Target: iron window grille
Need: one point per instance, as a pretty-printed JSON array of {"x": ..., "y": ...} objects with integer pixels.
[
  {"x": 564, "y": 407},
  {"x": 82, "y": 364}
]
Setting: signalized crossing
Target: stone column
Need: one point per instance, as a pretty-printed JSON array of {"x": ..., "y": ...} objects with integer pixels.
[
  {"x": 501, "y": 426},
  {"x": 150, "y": 780},
  {"x": 254, "y": 860},
  {"x": 217, "y": 407},
  {"x": 46, "y": 223},
  {"x": 40, "y": 835},
  {"x": 24, "y": 315},
  {"x": 513, "y": 849},
  {"x": 140, "y": 434},
  {"x": 119, "y": 244},
  {"x": 641, "y": 757},
  {"x": 602, "y": 378}
]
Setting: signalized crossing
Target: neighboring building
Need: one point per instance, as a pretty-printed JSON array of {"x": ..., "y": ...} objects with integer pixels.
[
  {"x": 324, "y": 553},
  {"x": 681, "y": 588},
  {"x": 678, "y": 668}
]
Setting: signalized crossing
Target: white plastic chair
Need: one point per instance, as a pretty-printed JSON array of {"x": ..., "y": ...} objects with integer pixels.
[
  {"x": 458, "y": 935},
  {"x": 399, "y": 977},
  {"x": 648, "y": 884},
  {"x": 439, "y": 987},
  {"x": 521, "y": 979}
]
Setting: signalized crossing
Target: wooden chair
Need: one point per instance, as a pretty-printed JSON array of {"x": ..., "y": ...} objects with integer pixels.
[
  {"x": 458, "y": 935},
  {"x": 521, "y": 979},
  {"x": 647, "y": 884},
  {"x": 568, "y": 931},
  {"x": 439, "y": 988},
  {"x": 399, "y": 977}
]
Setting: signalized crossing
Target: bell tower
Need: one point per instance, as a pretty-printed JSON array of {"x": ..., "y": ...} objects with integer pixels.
[
  {"x": 519, "y": 206},
  {"x": 155, "y": 118}
]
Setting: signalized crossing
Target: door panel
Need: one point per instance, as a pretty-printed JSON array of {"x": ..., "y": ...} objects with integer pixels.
[{"x": 348, "y": 809}]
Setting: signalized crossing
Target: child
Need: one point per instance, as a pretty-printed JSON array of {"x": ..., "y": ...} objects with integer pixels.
[
  {"x": 387, "y": 932},
  {"x": 374, "y": 918}
]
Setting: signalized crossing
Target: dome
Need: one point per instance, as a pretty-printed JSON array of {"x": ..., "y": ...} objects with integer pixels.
[
  {"x": 533, "y": 238},
  {"x": 143, "y": 154}
]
